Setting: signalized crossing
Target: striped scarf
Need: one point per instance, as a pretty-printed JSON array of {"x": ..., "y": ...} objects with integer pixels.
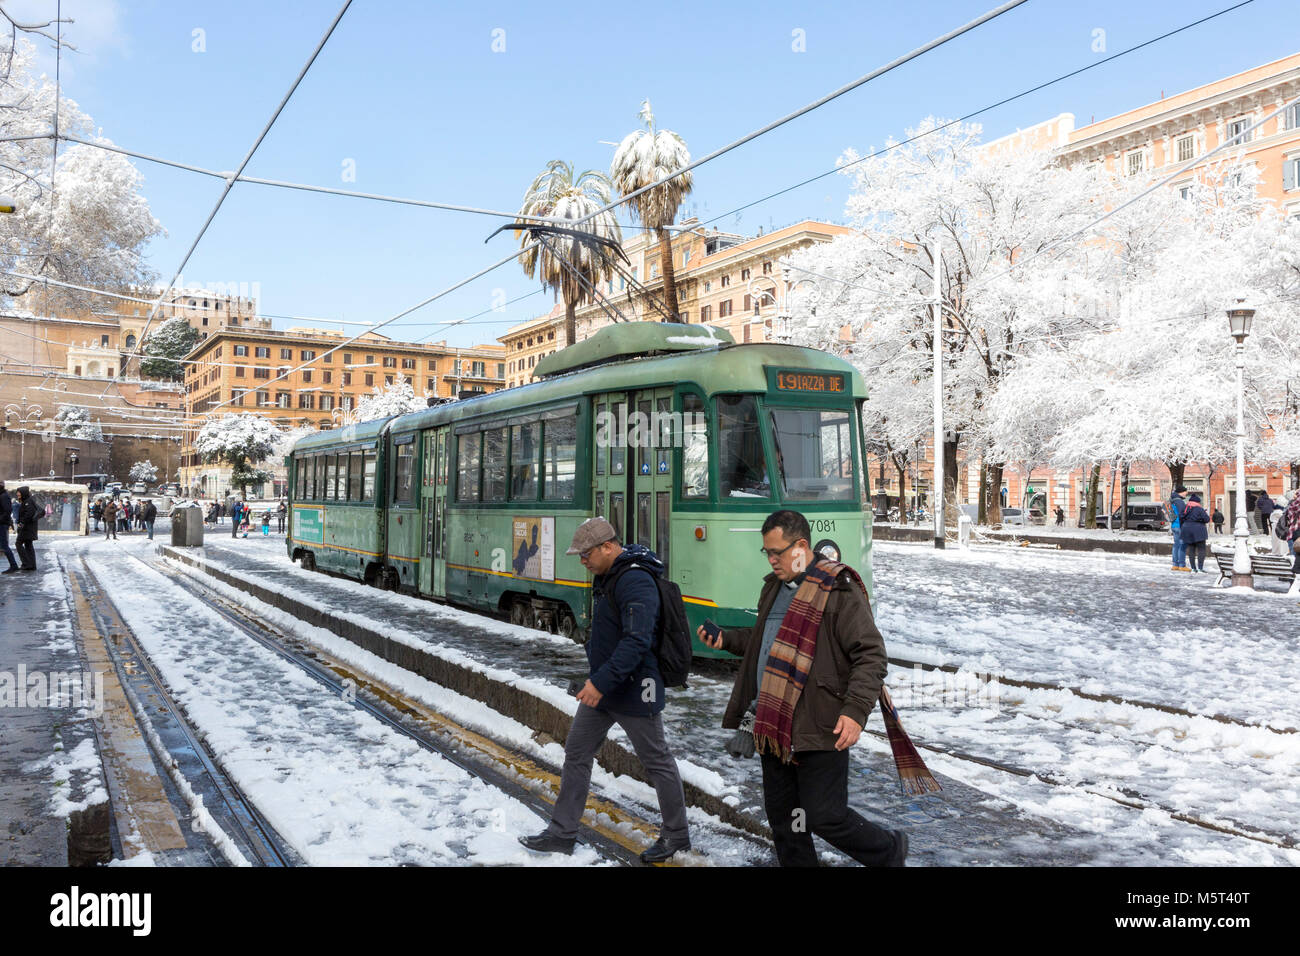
[
  {"x": 787, "y": 669},
  {"x": 1292, "y": 518}
]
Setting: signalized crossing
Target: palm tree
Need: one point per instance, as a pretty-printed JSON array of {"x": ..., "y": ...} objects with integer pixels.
[
  {"x": 556, "y": 194},
  {"x": 646, "y": 156}
]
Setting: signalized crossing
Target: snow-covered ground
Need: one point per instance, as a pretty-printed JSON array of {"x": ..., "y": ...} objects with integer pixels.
[{"x": 1103, "y": 623}]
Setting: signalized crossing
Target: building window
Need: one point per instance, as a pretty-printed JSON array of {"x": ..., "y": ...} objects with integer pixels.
[
  {"x": 1291, "y": 118},
  {"x": 239, "y": 371},
  {"x": 347, "y": 378},
  {"x": 306, "y": 400},
  {"x": 388, "y": 380},
  {"x": 261, "y": 372},
  {"x": 501, "y": 370},
  {"x": 370, "y": 378},
  {"x": 306, "y": 375},
  {"x": 263, "y": 399},
  {"x": 326, "y": 403},
  {"x": 724, "y": 308},
  {"x": 430, "y": 384},
  {"x": 433, "y": 365},
  {"x": 767, "y": 268},
  {"x": 103, "y": 341},
  {"x": 328, "y": 357},
  {"x": 327, "y": 376},
  {"x": 282, "y": 399},
  {"x": 744, "y": 274},
  {"x": 370, "y": 360},
  {"x": 347, "y": 358},
  {"x": 708, "y": 286},
  {"x": 726, "y": 281},
  {"x": 706, "y": 313},
  {"x": 390, "y": 361},
  {"x": 286, "y": 353},
  {"x": 1135, "y": 162},
  {"x": 308, "y": 354},
  {"x": 1186, "y": 148},
  {"x": 686, "y": 257},
  {"x": 1291, "y": 172},
  {"x": 408, "y": 363},
  {"x": 241, "y": 350},
  {"x": 263, "y": 352},
  {"x": 1185, "y": 192},
  {"x": 478, "y": 369},
  {"x": 748, "y": 302},
  {"x": 550, "y": 336},
  {"x": 1238, "y": 127}
]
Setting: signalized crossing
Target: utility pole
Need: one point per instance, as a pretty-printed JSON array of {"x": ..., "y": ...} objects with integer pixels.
[{"x": 937, "y": 254}]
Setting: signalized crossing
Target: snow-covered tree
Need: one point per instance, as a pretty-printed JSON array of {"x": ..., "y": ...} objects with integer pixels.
[
  {"x": 557, "y": 194},
  {"x": 240, "y": 441},
  {"x": 387, "y": 401},
  {"x": 74, "y": 422},
  {"x": 646, "y": 156},
  {"x": 91, "y": 227},
  {"x": 288, "y": 438},
  {"x": 989, "y": 211},
  {"x": 171, "y": 340},
  {"x": 145, "y": 471}
]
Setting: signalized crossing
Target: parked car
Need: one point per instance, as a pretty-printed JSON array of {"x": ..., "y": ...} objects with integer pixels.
[
  {"x": 1013, "y": 517},
  {"x": 139, "y": 488},
  {"x": 1145, "y": 517}
]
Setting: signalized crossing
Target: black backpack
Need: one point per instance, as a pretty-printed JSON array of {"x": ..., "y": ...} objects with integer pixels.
[{"x": 673, "y": 640}]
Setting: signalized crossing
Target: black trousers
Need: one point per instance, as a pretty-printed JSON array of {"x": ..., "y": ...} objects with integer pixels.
[
  {"x": 27, "y": 554},
  {"x": 1196, "y": 555},
  {"x": 812, "y": 796}
]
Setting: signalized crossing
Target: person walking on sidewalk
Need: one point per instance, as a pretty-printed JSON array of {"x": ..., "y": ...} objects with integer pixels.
[
  {"x": 813, "y": 667},
  {"x": 1195, "y": 532},
  {"x": 1291, "y": 526},
  {"x": 280, "y": 512},
  {"x": 6, "y": 522},
  {"x": 234, "y": 518},
  {"x": 1176, "y": 508},
  {"x": 624, "y": 687},
  {"x": 1060, "y": 516},
  {"x": 148, "y": 515},
  {"x": 28, "y": 517},
  {"x": 110, "y": 519},
  {"x": 1217, "y": 518}
]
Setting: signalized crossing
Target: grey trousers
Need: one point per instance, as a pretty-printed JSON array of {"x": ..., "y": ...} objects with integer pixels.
[{"x": 647, "y": 735}]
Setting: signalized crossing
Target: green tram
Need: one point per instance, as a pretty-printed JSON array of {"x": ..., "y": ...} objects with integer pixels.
[{"x": 682, "y": 438}]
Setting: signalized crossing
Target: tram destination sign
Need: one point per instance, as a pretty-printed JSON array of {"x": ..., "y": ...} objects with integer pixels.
[{"x": 803, "y": 380}]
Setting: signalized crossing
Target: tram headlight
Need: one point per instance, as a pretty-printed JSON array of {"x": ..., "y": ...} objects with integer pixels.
[{"x": 828, "y": 549}]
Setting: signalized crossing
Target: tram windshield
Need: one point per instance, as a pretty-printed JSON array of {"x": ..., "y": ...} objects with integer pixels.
[
  {"x": 814, "y": 453},
  {"x": 742, "y": 470}
]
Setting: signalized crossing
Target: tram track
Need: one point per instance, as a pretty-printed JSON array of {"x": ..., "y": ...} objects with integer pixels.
[
  {"x": 347, "y": 683},
  {"x": 235, "y": 813}
]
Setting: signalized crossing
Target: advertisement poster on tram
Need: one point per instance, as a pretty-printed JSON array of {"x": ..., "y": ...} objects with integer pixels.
[{"x": 533, "y": 548}]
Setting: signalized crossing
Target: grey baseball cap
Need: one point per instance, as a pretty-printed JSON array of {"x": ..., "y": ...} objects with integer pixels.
[{"x": 590, "y": 533}]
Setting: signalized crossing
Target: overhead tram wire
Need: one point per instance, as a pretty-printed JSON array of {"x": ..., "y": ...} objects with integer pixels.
[
  {"x": 230, "y": 182},
  {"x": 816, "y": 104}
]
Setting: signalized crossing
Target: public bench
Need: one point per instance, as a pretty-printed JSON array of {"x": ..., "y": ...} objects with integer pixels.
[{"x": 1261, "y": 566}]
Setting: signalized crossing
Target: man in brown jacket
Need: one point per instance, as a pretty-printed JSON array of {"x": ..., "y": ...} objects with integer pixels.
[
  {"x": 110, "y": 519},
  {"x": 809, "y": 794}
]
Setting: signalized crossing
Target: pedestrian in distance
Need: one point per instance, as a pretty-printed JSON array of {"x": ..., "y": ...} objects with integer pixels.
[
  {"x": 1291, "y": 526},
  {"x": 266, "y": 522},
  {"x": 28, "y": 517},
  {"x": 624, "y": 686},
  {"x": 6, "y": 522},
  {"x": 1194, "y": 532},
  {"x": 1264, "y": 507},
  {"x": 1278, "y": 532},
  {"x": 148, "y": 515},
  {"x": 245, "y": 517},
  {"x": 234, "y": 519},
  {"x": 96, "y": 512},
  {"x": 281, "y": 511},
  {"x": 1217, "y": 518},
  {"x": 110, "y": 519},
  {"x": 1177, "y": 505},
  {"x": 1060, "y": 516},
  {"x": 812, "y": 669}
]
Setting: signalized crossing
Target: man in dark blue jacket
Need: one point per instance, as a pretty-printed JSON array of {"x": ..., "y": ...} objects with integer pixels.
[
  {"x": 624, "y": 687},
  {"x": 6, "y": 522}
]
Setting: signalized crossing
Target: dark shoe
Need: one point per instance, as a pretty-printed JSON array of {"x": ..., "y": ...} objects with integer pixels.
[
  {"x": 13, "y": 570},
  {"x": 663, "y": 849},
  {"x": 547, "y": 842},
  {"x": 900, "y": 850},
  {"x": 27, "y": 569}
]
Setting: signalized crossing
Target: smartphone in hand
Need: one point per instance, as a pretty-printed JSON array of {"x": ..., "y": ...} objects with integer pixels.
[
  {"x": 712, "y": 632},
  {"x": 574, "y": 687}
]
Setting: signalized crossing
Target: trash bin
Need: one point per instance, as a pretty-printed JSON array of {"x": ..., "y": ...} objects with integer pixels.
[
  {"x": 187, "y": 527},
  {"x": 963, "y": 530}
]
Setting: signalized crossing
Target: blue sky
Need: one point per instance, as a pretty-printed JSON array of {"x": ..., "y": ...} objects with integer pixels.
[{"x": 413, "y": 95}]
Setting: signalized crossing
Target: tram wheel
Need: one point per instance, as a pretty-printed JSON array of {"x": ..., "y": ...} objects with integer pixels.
[
  {"x": 568, "y": 627},
  {"x": 519, "y": 613},
  {"x": 308, "y": 561}
]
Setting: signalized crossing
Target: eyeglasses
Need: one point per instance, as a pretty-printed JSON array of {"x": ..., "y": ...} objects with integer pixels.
[
  {"x": 583, "y": 555},
  {"x": 770, "y": 554}
]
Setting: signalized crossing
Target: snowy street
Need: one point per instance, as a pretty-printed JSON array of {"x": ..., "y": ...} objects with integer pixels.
[{"x": 1195, "y": 765}]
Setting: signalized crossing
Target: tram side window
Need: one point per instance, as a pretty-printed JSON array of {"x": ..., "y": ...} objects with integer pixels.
[
  {"x": 403, "y": 460},
  {"x": 617, "y": 452},
  {"x": 301, "y": 464},
  {"x": 695, "y": 448},
  {"x": 331, "y": 477},
  {"x": 356, "y": 472},
  {"x": 317, "y": 478},
  {"x": 368, "y": 489},
  {"x": 602, "y": 438},
  {"x": 742, "y": 470},
  {"x": 560, "y": 457},
  {"x": 467, "y": 465},
  {"x": 494, "y": 464},
  {"x": 523, "y": 461},
  {"x": 814, "y": 453}
]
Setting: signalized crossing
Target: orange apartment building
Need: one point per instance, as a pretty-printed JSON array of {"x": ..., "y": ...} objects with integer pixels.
[
  {"x": 233, "y": 369},
  {"x": 529, "y": 342}
]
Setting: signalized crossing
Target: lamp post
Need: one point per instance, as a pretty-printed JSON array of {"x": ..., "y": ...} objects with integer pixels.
[
  {"x": 1239, "y": 318},
  {"x": 24, "y": 415}
]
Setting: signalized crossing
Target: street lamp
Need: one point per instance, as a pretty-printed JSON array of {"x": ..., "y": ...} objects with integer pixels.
[
  {"x": 1239, "y": 318},
  {"x": 24, "y": 415}
]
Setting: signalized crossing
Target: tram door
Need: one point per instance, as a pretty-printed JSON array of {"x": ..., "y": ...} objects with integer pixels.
[
  {"x": 433, "y": 498},
  {"x": 650, "y": 461}
]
